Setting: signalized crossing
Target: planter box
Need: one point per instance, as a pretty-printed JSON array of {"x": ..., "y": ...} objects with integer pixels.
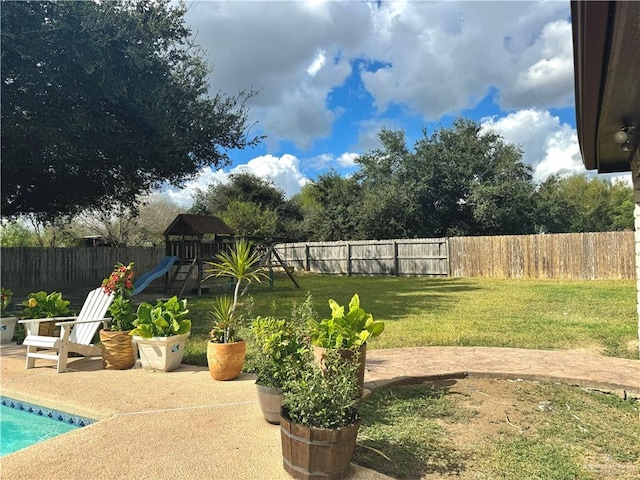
[
  {"x": 7, "y": 326},
  {"x": 161, "y": 354}
]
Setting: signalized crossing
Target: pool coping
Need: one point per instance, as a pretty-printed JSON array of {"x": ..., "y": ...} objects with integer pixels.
[{"x": 64, "y": 417}]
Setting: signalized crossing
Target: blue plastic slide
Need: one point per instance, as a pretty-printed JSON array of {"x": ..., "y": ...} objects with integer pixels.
[{"x": 163, "y": 267}]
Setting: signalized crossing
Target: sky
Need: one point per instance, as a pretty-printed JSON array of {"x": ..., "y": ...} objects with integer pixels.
[{"x": 331, "y": 74}]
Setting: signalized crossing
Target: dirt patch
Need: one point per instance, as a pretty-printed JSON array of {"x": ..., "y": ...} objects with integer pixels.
[{"x": 514, "y": 410}]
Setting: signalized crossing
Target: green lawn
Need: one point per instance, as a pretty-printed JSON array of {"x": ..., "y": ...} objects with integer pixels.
[
  {"x": 546, "y": 314},
  {"x": 496, "y": 430},
  {"x": 480, "y": 430}
]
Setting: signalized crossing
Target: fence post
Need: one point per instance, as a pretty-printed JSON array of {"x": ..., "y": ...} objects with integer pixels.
[
  {"x": 348, "y": 259},
  {"x": 307, "y": 265},
  {"x": 396, "y": 263}
]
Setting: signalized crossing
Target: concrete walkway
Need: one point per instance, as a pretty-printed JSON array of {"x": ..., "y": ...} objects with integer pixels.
[{"x": 184, "y": 425}]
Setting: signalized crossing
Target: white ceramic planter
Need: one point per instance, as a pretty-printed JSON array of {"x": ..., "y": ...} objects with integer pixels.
[
  {"x": 7, "y": 326},
  {"x": 161, "y": 354}
]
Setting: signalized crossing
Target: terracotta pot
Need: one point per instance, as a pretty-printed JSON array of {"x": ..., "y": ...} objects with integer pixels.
[
  {"x": 320, "y": 352},
  {"x": 317, "y": 453},
  {"x": 270, "y": 400},
  {"x": 117, "y": 350},
  {"x": 226, "y": 359}
]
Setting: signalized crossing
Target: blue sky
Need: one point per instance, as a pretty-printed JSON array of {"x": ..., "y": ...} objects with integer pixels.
[{"x": 330, "y": 75}]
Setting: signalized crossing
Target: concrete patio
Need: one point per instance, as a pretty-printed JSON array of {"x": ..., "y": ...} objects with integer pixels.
[{"x": 184, "y": 425}]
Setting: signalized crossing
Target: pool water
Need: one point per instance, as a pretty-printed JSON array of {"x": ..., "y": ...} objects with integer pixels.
[{"x": 20, "y": 429}]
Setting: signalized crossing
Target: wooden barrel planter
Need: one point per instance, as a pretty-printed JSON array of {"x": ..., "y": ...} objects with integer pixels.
[
  {"x": 317, "y": 453},
  {"x": 270, "y": 400},
  {"x": 320, "y": 352},
  {"x": 226, "y": 359},
  {"x": 117, "y": 350}
]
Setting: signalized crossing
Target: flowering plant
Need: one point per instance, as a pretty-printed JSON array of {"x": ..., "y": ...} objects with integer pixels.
[
  {"x": 6, "y": 295},
  {"x": 41, "y": 305},
  {"x": 120, "y": 284}
]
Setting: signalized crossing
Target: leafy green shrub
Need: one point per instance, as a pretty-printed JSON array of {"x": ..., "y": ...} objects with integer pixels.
[
  {"x": 323, "y": 396},
  {"x": 162, "y": 320},
  {"x": 348, "y": 331},
  {"x": 280, "y": 351},
  {"x": 5, "y": 296},
  {"x": 41, "y": 305}
]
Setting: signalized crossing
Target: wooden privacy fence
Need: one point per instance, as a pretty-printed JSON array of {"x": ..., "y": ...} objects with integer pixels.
[
  {"x": 423, "y": 256},
  {"x": 609, "y": 255},
  {"x": 27, "y": 269},
  {"x": 605, "y": 255}
]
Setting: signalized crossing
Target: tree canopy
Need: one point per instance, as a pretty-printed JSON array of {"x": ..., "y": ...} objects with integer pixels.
[
  {"x": 103, "y": 101},
  {"x": 459, "y": 180},
  {"x": 251, "y": 206},
  {"x": 581, "y": 204}
]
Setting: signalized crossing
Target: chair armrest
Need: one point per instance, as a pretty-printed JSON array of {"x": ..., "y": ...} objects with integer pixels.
[
  {"x": 41, "y": 320},
  {"x": 73, "y": 322}
]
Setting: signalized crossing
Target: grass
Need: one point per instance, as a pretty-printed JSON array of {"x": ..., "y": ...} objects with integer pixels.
[
  {"x": 424, "y": 431},
  {"x": 543, "y": 314}
]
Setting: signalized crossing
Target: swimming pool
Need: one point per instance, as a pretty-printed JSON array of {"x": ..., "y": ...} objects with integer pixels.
[{"x": 23, "y": 424}]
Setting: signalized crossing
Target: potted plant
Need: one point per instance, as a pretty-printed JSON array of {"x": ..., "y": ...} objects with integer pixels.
[
  {"x": 319, "y": 421},
  {"x": 7, "y": 323},
  {"x": 43, "y": 305},
  {"x": 348, "y": 333},
  {"x": 117, "y": 348},
  {"x": 226, "y": 351},
  {"x": 280, "y": 350},
  {"x": 160, "y": 333}
]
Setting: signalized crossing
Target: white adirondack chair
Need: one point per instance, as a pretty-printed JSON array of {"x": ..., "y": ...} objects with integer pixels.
[{"x": 76, "y": 333}]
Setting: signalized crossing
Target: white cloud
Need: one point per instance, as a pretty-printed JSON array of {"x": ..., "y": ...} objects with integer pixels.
[
  {"x": 428, "y": 58},
  {"x": 548, "y": 146},
  {"x": 277, "y": 48},
  {"x": 283, "y": 171},
  {"x": 325, "y": 161},
  {"x": 317, "y": 64},
  {"x": 442, "y": 57},
  {"x": 347, "y": 159},
  {"x": 549, "y": 80},
  {"x": 184, "y": 196}
]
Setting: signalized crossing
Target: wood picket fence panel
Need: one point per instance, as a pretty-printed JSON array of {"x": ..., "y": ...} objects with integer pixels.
[
  {"x": 27, "y": 269},
  {"x": 602, "y": 255},
  {"x": 423, "y": 256}
]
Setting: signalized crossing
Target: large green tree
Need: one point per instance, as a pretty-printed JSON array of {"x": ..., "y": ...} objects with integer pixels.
[
  {"x": 252, "y": 206},
  {"x": 579, "y": 203},
  {"x": 459, "y": 180},
  {"x": 103, "y": 101},
  {"x": 331, "y": 208}
]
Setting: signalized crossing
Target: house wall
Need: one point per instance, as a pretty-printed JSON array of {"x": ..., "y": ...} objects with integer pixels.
[{"x": 635, "y": 174}]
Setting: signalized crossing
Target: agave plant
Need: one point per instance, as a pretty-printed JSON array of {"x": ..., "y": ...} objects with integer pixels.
[{"x": 242, "y": 264}]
